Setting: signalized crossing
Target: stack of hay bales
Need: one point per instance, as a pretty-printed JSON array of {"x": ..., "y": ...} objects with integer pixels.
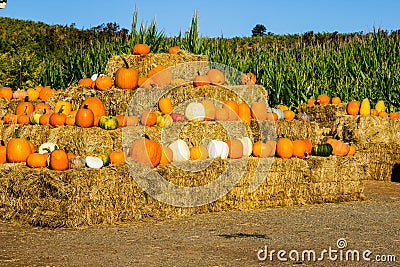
[
  {"x": 112, "y": 195},
  {"x": 116, "y": 194},
  {"x": 377, "y": 141}
]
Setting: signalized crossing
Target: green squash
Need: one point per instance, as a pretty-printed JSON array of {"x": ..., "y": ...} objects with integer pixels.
[
  {"x": 323, "y": 150},
  {"x": 105, "y": 158},
  {"x": 108, "y": 122}
]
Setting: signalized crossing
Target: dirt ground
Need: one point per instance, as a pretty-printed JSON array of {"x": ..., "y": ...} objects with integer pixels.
[{"x": 225, "y": 239}]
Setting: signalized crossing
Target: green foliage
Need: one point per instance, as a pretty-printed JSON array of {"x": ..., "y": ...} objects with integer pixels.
[{"x": 292, "y": 68}]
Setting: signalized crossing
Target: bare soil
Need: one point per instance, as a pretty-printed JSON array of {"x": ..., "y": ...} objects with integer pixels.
[{"x": 222, "y": 239}]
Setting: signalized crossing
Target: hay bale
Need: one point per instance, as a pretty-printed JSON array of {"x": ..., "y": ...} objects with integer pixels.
[
  {"x": 298, "y": 129},
  {"x": 324, "y": 115},
  {"x": 377, "y": 141},
  {"x": 144, "y": 63},
  {"x": 114, "y": 194},
  {"x": 36, "y": 133},
  {"x": 4, "y": 104},
  {"x": 368, "y": 129}
]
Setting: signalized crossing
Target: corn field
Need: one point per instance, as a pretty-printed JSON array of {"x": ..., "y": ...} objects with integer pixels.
[{"x": 292, "y": 68}]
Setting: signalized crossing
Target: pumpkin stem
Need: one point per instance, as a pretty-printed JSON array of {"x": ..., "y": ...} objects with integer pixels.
[
  {"x": 86, "y": 106},
  {"x": 26, "y": 107},
  {"x": 17, "y": 135},
  {"x": 126, "y": 62},
  {"x": 146, "y": 136},
  {"x": 2, "y": 142},
  {"x": 61, "y": 109},
  {"x": 26, "y": 99}
]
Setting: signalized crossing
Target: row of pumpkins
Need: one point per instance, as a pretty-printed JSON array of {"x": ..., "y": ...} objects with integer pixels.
[
  {"x": 92, "y": 112},
  {"x": 355, "y": 107},
  {"x": 152, "y": 153},
  {"x": 19, "y": 149}
]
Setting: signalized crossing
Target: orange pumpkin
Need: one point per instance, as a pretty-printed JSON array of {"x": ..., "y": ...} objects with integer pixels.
[
  {"x": 235, "y": 148},
  {"x": 46, "y": 93},
  {"x": 56, "y": 119},
  {"x": 289, "y": 115},
  {"x": 84, "y": 117},
  {"x": 166, "y": 155},
  {"x": 148, "y": 118},
  {"x": 70, "y": 119},
  {"x": 160, "y": 76},
  {"x": 339, "y": 148},
  {"x": 58, "y": 160},
  {"x": 352, "y": 150},
  {"x": 165, "y": 105},
  {"x": 32, "y": 94},
  {"x": 85, "y": 82},
  {"x": 36, "y": 160},
  {"x": 42, "y": 106},
  {"x": 45, "y": 119},
  {"x": 210, "y": 109},
  {"x": 174, "y": 49},
  {"x": 244, "y": 113},
  {"x": 146, "y": 151},
  {"x": 247, "y": 78},
  {"x": 25, "y": 107},
  {"x": 145, "y": 82},
  {"x": 383, "y": 114},
  {"x": 117, "y": 157},
  {"x": 323, "y": 99},
  {"x": 308, "y": 146},
  {"x": 353, "y": 107},
  {"x": 336, "y": 100},
  {"x": 141, "y": 49},
  {"x": 126, "y": 77},
  {"x": 103, "y": 83},
  {"x": 6, "y": 93},
  {"x": 264, "y": 150},
  {"x": 10, "y": 118},
  {"x": 311, "y": 101},
  {"x": 300, "y": 149},
  {"x": 233, "y": 109},
  {"x": 259, "y": 110},
  {"x": 216, "y": 76},
  {"x": 284, "y": 148},
  {"x": 96, "y": 105},
  {"x": 18, "y": 149},
  {"x": 221, "y": 114},
  {"x": 3, "y": 153}
]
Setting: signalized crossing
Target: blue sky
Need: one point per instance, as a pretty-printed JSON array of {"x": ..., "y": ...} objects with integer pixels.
[{"x": 217, "y": 18}]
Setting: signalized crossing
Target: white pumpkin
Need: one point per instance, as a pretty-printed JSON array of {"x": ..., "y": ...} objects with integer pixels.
[
  {"x": 247, "y": 146},
  {"x": 225, "y": 150},
  {"x": 47, "y": 147},
  {"x": 94, "y": 162},
  {"x": 218, "y": 148},
  {"x": 195, "y": 111},
  {"x": 180, "y": 150}
]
